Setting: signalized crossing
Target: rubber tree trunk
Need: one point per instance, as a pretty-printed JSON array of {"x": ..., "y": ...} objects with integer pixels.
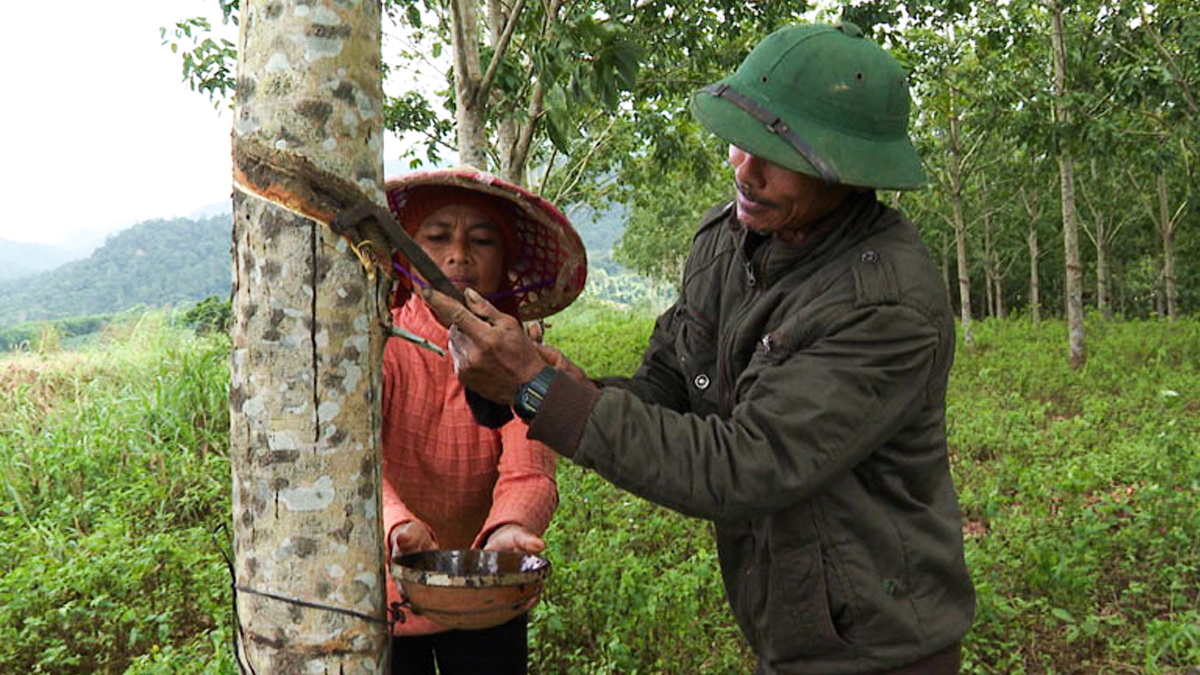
[
  {"x": 307, "y": 345},
  {"x": 1035, "y": 300},
  {"x": 508, "y": 131},
  {"x": 1076, "y": 337},
  {"x": 1103, "y": 277},
  {"x": 960, "y": 228},
  {"x": 1167, "y": 228},
  {"x": 1033, "y": 210}
]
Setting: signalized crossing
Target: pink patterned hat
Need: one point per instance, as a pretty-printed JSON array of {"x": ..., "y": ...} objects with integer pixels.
[{"x": 550, "y": 266}]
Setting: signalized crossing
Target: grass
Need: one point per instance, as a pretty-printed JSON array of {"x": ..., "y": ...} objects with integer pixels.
[{"x": 1079, "y": 491}]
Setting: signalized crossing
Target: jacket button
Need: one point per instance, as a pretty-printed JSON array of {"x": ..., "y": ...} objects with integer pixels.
[
  {"x": 702, "y": 381},
  {"x": 870, "y": 256}
]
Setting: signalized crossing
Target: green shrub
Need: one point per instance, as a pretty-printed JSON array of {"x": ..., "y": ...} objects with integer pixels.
[
  {"x": 1078, "y": 490},
  {"x": 210, "y": 315},
  {"x": 116, "y": 468}
]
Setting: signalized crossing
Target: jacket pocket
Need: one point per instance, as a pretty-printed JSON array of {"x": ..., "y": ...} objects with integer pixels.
[{"x": 798, "y": 622}]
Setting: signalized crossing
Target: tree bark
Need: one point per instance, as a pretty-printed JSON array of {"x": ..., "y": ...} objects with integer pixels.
[
  {"x": 944, "y": 247},
  {"x": 1035, "y": 300},
  {"x": 508, "y": 130},
  {"x": 1033, "y": 210},
  {"x": 305, "y": 372},
  {"x": 470, "y": 107},
  {"x": 1168, "y": 244},
  {"x": 1076, "y": 336},
  {"x": 1102, "y": 240},
  {"x": 960, "y": 228},
  {"x": 1102, "y": 276}
]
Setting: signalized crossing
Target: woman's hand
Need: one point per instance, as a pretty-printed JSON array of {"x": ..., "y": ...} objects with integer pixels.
[
  {"x": 513, "y": 537},
  {"x": 409, "y": 537}
]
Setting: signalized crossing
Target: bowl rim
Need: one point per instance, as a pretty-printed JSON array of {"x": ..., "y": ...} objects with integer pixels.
[{"x": 433, "y": 578}]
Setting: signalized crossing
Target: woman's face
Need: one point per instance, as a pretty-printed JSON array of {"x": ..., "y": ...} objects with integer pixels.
[{"x": 466, "y": 245}]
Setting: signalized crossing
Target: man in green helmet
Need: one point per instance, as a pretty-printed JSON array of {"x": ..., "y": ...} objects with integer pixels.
[{"x": 795, "y": 393}]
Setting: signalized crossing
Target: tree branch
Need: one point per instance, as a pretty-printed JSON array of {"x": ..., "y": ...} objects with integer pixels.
[
  {"x": 459, "y": 41},
  {"x": 1171, "y": 63},
  {"x": 582, "y": 166},
  {"x": 485, "y": 84}
]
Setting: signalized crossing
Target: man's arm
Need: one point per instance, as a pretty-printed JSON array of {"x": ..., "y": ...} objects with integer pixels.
[
  {"x": 658, "y": 379},
  {"x": 800, "y": 424}
]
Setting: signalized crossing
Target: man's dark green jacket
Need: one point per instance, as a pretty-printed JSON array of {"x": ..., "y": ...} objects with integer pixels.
[{"x": 795, "y": 396}]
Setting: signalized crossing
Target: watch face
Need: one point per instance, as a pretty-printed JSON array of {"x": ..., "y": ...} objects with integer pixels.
[{"x": 530, "y": 395}]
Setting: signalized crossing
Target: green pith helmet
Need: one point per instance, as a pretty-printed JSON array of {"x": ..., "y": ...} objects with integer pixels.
[{"x": 821, "y": 100}]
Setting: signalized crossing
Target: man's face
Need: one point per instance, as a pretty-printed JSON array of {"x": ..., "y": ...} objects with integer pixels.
[
  {"x": 466, "y": 245},
  {"x": 780, "y": 202}
]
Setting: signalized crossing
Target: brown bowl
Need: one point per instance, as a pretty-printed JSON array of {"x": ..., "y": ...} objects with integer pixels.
[{"x": 469, "y": 588}]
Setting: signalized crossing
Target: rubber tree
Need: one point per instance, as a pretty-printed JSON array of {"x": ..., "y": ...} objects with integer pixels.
[
  {"x": 307, "y": 346},
  {"x": 946, "y": 63},
  {"x": 1076, "y": 335}
]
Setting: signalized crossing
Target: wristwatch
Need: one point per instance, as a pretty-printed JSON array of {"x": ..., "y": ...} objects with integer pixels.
[{"x": 530, "y": 395}]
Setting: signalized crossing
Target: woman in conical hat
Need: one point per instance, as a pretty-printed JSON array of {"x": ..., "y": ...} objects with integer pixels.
[
  {"x": 545, "y": 261},
  {"x": 449, "y": 483}
]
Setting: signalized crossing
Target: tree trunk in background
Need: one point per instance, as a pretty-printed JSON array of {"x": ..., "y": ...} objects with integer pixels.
[
  {"x": 470, "y": 109},
  {"x": 991, "y": 259},
  {"x": 508, "y": 132},
  {"x": 1168, "y": 244},
  {"x": 960, "y": 228},
  {"x": 1076, "y": 337},
  {"x": 1035, "y": 301},
  {"x": 1033, "y": 210},
  {"x": 989, "y": 280},
  {"x": 1101, "y": 239},
  {"x": 999, "y": 298},
  {"x": 307, "y": 347},
  {"x": 945, "y": 255},
  {"x": 1102, "y": 276}
]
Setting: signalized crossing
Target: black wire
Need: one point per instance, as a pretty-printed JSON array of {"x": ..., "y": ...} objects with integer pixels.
[
  {"x": 237, "y": 621},
  {"x": 395, "y": 610},
  {"x": 314, "y": 605}
]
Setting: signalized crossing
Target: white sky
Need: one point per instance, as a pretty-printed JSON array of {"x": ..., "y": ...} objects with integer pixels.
[{"x": 99, "y": 130}]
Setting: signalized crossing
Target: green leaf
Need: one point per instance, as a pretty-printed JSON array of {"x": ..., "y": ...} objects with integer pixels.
[{"x": 1062, "y": 615}]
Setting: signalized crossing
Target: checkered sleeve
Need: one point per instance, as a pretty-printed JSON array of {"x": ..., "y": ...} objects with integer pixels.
[
  {"x": 395, "y": 511},
  {"x": 526, "y": 491}
]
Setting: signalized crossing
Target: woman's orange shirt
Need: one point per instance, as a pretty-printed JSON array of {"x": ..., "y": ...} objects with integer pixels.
[{"x": 460, "y": 479}]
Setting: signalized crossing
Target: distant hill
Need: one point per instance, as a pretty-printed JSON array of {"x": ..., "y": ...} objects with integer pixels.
[
  {"x": 19, "y": 258},
  {"x": 182, "y": 260},
  {"x": 155, "y": 263},
  {"x": 22, "y": 258},
  {"x": 221, "y": 208}
]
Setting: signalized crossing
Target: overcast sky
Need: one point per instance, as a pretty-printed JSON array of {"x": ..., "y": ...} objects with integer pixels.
[{"x": 99, "y": 129}]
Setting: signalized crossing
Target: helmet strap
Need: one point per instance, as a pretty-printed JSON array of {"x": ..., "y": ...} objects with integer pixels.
[{"x": 775, "y": 124}]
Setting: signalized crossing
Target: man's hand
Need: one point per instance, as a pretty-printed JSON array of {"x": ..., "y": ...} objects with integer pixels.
[
  {"x": 513, "y": 537},
  {"x": 498, "y": 356},
  {"x": 409, "y": 537}
]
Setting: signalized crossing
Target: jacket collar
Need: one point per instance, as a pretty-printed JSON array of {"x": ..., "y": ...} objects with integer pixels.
[{"x": 853, "y": 220}]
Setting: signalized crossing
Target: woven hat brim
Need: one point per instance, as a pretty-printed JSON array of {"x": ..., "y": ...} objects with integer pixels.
[
  {"x": 888, "y": 164},
  {"x": 551, "y": 263}
]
